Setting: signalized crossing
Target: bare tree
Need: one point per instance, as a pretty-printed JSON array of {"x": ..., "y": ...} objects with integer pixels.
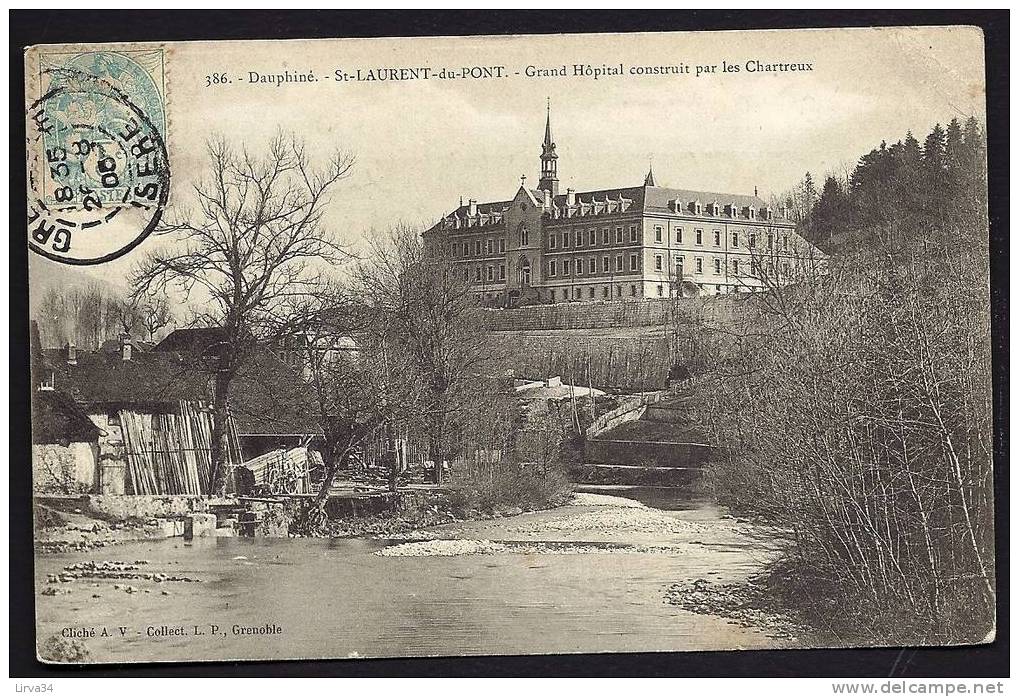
[
  {"x": 156, "y": 315},
  {"x": 55, "y": 326},
  {"x": 363, "y": 392},
  {"x": 129, "y": 315},
  {"x": 248, "y": 253},
  {"x": 430, "y": 309}
]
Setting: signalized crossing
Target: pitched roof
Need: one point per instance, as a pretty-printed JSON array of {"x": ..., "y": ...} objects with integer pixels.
[
  {"x": 267, "y": 396},
  {"x": 105, "y": 379},
  {"x": 646, "y": 199},
  {"x": 113, "y": 345},
  {"x": 57, "y": 418},
  {"x": 194, "y": 340}
]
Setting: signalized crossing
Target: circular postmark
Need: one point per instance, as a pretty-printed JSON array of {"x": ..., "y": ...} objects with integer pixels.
[{"x": 98, "y": 171}]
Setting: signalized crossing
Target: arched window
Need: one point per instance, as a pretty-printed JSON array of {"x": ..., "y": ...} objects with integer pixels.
[{"x": 523, "y": 236}]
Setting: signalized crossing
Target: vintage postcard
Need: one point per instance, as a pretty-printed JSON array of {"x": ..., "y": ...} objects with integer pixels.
[{"x": 510, "y": 345}]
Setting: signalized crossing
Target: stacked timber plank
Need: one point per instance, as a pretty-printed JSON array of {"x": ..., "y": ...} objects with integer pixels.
[{"x": 168, "y": 453}]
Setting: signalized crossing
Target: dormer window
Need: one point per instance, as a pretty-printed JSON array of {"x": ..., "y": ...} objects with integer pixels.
[
  {"x": 768, "y": 213},
  {"x": 714, "y": 210},
  {"x": 698, "y": 209}
]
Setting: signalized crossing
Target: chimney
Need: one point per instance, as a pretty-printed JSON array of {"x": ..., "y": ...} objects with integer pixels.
[
  {"x": 472, "y": 208},
  {"x": 571, "y": 198},
  {"x": 125, "y": 347},
  {"x": 72, "y": 354}
]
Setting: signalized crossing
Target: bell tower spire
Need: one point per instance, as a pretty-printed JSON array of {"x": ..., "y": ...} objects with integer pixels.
[
  {"x": 549, "y": 180},
  {"x": 649, "y": 180}
]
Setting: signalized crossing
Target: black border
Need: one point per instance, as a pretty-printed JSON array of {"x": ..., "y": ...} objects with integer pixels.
[{"x": 32, "y": 27}]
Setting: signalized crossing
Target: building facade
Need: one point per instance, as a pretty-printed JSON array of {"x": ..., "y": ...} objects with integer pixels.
[{"x": 629, "y": 243}]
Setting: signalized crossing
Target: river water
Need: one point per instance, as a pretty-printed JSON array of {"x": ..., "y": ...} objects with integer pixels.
[{"x": 337, "y": 598}]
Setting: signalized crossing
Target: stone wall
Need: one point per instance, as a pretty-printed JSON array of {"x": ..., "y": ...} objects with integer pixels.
[
  {"x": 64, "y": 469},
  {"x": 121, "y": 507},
  {"x": 606, "y": 315}
]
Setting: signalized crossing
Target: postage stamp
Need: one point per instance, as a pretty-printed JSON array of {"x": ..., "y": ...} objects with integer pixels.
[{"x": 98, "y": 169}]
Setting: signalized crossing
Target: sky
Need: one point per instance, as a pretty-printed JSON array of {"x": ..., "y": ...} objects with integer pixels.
[{"x": 422, "y": 144}]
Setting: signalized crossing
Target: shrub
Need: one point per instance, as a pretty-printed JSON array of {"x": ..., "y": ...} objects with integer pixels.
[{"x": 513, "y": 485}]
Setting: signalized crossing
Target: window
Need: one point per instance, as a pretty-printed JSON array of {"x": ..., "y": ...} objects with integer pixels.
[
  {"x": 718, "y": 238},
  {"x": 619, "y": 291},
  {"x": 754, "y": 267},
  {"x": 590, "y": 292},
  {"x": 490, "y": 273},
  {"x": 633, "y": 233},
  {"x": 679, "y": 265},
  {"x": 566, "y": 267},
  {"x": 592, "y": 265},
  {"x": 579, "y": 264},
  {"x": 699, "y": 264},
  {"x": 660, "y": 291},
  {"x": 477, "y": 248},
  {"x": 771, "y": 241},
  {"x": 679, "y": 235},
  {"x": 605, "y": 263},
  {"x": 714, "y": 210},
  {"x": 605, "y": 235},
  {"x": 591, "y": 237},
  {"x": 619, "y": 235},
  {"x": 467, "y": 250},
  {"x": 658, "y": 262},
  {"x": 502, "y": 244},
  {"x": 735, "y": 239},
  {"x": 753, "y": 240},
  {"x": 580, "y": 238},
  {"x": 718, "y": 266},
  {"x": 552, "y": 268},
  {"x": 576, "y": 293},
  {"x": 735, "y": 266},
  {"x": 488, "y": 246},
  {"x": 566, "y": 240},
  {"x": 477, "y": 273},
  {"x": 633, "y": 289},
  {"x": 551, "y": 240},
  {"x": 523, "y": 236},
  {"x": 698, "y": 208},
  {"x": 658, "y": 233},
  {"x": 604, "y": 291},
  {"x": 633, "y": 262},
  {"x": 502, "y": 272},
  {"x": 698, "y": 236}
]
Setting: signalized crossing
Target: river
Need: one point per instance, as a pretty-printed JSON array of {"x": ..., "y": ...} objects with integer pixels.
[{"x": 582, "y": 578}]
